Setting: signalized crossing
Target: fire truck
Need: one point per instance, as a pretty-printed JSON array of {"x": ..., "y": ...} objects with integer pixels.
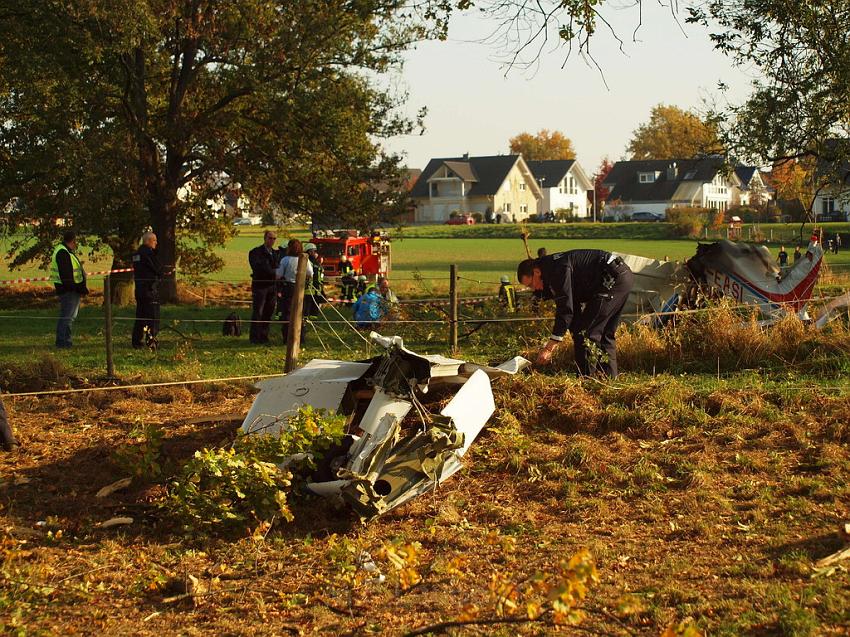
[{"x": 369, "y": 255}]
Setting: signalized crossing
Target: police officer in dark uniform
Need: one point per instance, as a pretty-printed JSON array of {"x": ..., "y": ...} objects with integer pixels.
[
  {"x": 590, "y": 288},
  {"x": 263, "y": 260},
  {"x": 147, "y": 273}
]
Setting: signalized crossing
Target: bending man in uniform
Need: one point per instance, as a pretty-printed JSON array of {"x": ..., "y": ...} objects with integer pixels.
[
  {"x": 590, "y": 288},
  {"x": 147, "y": 273}
]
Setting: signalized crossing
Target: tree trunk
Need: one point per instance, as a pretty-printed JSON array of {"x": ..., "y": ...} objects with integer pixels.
[
  {"x": 164, "y": 224},
  {"x": 122, "y": 284}
]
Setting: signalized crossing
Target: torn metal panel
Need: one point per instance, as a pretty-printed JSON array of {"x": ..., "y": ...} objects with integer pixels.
[
  {"x": 396, "y": 448},
  {"x": 833, "y": 310},
  {"x": 320, "y": 383}
]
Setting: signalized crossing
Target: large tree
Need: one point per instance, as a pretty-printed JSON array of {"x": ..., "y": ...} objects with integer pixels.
[
  {"x": 118, "y": 115},
  {"x": 673, "y": 133},
  {"x": 800, "y": 105},
  {"x": 544, "y": 145}
]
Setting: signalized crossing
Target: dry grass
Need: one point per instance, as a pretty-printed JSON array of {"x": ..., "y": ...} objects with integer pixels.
[{"x": 698, "y": 498}]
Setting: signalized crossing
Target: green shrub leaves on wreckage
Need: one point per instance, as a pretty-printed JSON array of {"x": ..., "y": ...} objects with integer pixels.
[{"x": 251, "y": 481}]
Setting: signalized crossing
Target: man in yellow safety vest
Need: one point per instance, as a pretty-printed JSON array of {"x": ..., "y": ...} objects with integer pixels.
[{"x": 69, "y": 279}]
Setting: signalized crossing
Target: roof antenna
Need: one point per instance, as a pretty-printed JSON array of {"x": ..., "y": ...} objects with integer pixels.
[{"x": 524, "y": 234}]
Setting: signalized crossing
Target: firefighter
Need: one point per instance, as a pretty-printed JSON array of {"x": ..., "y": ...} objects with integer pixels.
[
  {"x": 590, "y": 288},
  {"x": 347, "y": 281},
  {"x": 147, "y": 273},
  {"x": 507, "y": 294},
  {"x": 69, "y": 279},
  {"x": 362, "y": 286}
]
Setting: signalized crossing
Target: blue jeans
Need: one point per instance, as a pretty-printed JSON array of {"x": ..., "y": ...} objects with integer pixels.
[{"x": 69, "y": 305}]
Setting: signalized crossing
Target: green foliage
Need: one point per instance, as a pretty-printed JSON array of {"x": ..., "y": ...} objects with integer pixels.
[
  {"x": 149, "y": 114},
  {"x": 688, "y": 221},
  {"x": 798, "y": 106},
  {"x": 247, "y": 484},
  {"x": 143, "y": 458}
]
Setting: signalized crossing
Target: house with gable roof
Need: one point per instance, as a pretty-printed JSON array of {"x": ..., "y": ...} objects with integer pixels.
[
  {"x": 653, "y": 185},
  {"x": 753, "y": 189},
  {"x": 564, "y": 184},
  {"x": 491, "y": 185}
]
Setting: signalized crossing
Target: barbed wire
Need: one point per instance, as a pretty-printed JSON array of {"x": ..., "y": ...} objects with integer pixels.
[{"x": 83, "y": 390}]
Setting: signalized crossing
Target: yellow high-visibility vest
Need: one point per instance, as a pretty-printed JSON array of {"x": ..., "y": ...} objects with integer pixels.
[{"x": 77, "y": 267}]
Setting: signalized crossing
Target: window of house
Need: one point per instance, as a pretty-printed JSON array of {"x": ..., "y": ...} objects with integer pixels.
[
  {"x": 828, "y": 205},
  {"x": 522, "y": 185},
  {"x": 523, "y": 208},
  {"x": 573, "y": 190},
  {"x": 506, "y": 207},
  {"x": 646, "y": 178},
  {"x": 561, "y": 187},
  {"x": 435, "y": 191}
]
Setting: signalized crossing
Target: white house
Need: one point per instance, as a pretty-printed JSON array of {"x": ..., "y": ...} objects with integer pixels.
[
  {"x": 492, "y": 185},
  {"x": 564, "y": 185},
  {"x": 753, "y": 190},
  {"x": 832, "y": 202},
  {"x": 653, "y": 185}
]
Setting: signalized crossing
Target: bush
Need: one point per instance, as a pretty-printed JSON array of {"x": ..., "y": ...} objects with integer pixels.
[
  {"x": 478, "y": 217},
  {"x": 454, "y": 214},
  {"x": 250, "y": 483},
  {"x": 688, "y": 221}
]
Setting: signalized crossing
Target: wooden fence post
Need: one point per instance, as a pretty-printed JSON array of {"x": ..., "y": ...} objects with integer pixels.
[
  {"x": 107, "y": 328},
  {"x": 296, "y": 314},
  {"x": 453, "y": 308}
]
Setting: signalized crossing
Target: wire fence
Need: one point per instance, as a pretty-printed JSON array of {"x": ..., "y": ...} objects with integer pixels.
[{"x": 333, "y": 323}]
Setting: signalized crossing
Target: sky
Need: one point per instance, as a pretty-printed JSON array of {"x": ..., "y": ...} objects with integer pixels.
[{"x": 474, "y": 107}]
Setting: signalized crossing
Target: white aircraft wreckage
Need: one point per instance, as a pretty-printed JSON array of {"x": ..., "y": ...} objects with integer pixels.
[
  {"x": 395, "y": 449},
  {"x": 745, "y": 273}
]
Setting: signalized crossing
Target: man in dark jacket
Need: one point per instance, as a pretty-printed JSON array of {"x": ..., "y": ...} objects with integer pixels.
[
  {"x": 147, "y": 273},
  {"x": 590, "y": 288},
  {"x": 263, "y": 260},
  {"x": 69, "y": 279}
]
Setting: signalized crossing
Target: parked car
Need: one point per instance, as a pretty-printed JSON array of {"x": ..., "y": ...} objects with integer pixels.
[
  {"x": 464, "y": 219},
  {"x": 646, "y": 216}
]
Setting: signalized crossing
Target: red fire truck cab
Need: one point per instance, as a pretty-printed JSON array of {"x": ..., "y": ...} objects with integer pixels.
[{"x": 367, "y": 255}]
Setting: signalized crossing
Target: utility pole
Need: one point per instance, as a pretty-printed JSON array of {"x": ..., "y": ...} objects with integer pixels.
[
  {"x": 453, "y": 308},
  {"x": 107, "y": 327},
  {"x": 296, "y": 315}
]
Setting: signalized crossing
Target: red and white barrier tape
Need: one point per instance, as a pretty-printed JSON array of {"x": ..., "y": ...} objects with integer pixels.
[{"x": 47, "y": 278}]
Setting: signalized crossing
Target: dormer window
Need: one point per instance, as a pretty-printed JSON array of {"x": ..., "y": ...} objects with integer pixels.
[{"x": 647, "y": 178}]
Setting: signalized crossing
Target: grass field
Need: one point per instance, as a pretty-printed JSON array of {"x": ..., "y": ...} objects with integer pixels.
[{"x": 421, "y": 255}]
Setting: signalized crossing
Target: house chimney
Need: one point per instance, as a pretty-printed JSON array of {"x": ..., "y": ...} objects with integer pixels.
[
  {"x": 672, "y": 171},
  {"x": 466, "y": 155}
]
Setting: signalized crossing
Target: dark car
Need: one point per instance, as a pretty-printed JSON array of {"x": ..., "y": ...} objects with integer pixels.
[{"x": 646, "y": 216}]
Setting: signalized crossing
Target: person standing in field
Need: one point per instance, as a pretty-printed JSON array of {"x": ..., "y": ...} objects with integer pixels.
[
  {"x": 69, "y": 279},
  {"x": 147, "y": 273},
  {"x": 783, "y": 257},
  {"x": 286, "y": 272},
  {"x": 590, "y": 289},
  {"x": 263, "y": 260},
  {"x": 797, "y": 254}
]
